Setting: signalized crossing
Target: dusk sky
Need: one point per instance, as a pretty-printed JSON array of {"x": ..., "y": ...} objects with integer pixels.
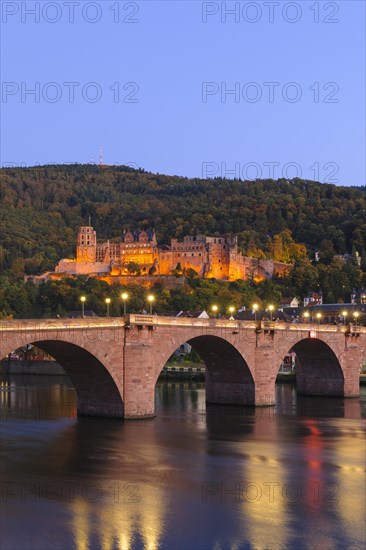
[{"x": 150, "y": 80}]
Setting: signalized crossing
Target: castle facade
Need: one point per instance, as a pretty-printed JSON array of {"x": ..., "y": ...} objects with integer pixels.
[{"x": 139, "y": 252}]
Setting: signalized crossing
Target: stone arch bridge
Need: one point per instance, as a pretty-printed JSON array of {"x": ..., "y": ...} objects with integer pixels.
[{"x": 114, "y": 363}]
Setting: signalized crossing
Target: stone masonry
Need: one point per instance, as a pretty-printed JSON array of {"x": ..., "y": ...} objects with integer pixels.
[{"x": 114, "y": 363}]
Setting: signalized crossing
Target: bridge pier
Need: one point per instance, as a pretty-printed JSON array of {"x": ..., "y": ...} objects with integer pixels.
[
  {"x": 139, "y": 376},
  {"x": 265, "y": 375},
  {"x": 315, "y": 376},
  {"x": 228, "y": 393},
  {"x": 351, "y": 361}
]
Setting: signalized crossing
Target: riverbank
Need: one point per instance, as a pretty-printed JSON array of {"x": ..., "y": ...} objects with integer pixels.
[
  {"x": 32, "y": 367},
  {"x": 173, "y": 371},
  {"x": 186, "y": 371}
]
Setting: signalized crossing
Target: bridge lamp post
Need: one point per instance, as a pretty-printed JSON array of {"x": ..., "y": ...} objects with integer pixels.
[
  {"x": 124, "y": 297},
  {"x": 150, "y": 299},
  {"x": 306, "y": 315},
  {"x": 82, "y": 300},
  {"x": 231, "y": 310},
  {"x": 356, "y": 315},
  {"x": 255, "y": 309},
  {"x": 344, "y": 315},
  {"x": 271, "y": 308},
  {"x": 215, "y": 309},
  {"x": 318, "y": 316},
  {"x": 108, "y": 301}
]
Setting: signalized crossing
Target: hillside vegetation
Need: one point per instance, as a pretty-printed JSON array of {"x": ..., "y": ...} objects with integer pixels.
[{"x": 41, "y": 208}]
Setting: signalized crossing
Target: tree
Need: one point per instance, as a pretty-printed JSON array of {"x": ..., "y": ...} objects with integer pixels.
[
  {"x": 326, "y": 251},
  {"x": 190, "y": 273},
  {"x": 133, "y": 268},
  {"x": 304, "y": 277}
]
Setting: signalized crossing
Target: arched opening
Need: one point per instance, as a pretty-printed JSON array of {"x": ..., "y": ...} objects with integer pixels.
[
  {"x": 318, "y": 371},
  {"x": 228, "y": 379},
  {"x": 97, "y": 392}
]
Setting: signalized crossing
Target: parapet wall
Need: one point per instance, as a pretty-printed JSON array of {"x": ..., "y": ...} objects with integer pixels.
[{"x": 82, "y": 268}]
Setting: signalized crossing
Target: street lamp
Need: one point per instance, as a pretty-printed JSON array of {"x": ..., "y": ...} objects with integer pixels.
[
  {"x": 107, "y": 301},
  {"x": 82, "y": 300},
  {"x": 255, "y": 309},
  {"x": 344, "y": 315},
  {"x": 151, "y": 298},
  {"x": 231, "y": 310},
  {"x": 356, "y": 316},
  {"x": 271, "y": 308},
  {"x": 318, "y": 316},
  {"x": 124, "y": 297},
  {"x": 215, "y": 309},
  {"x": 306, "y": 315}
]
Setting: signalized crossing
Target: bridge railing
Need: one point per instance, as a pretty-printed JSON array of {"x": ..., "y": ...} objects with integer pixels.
[
  {"x": 36, "y": 325},
  {"x": 356, "y": 329},
  {"x": 159, "y": 320}
]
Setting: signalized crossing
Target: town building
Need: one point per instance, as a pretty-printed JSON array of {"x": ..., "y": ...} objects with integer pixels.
[
  {"x": 358, "y": 296},
  {"x": 313, "y": 299},
  {"x": 289, "y": 302},
  {"x": 138, "y": 253}
]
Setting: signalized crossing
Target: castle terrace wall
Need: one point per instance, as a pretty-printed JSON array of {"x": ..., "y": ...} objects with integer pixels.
[{"x": 148, "y": 281}]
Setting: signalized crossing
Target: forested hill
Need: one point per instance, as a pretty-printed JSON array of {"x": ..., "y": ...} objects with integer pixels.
[{"x": 41, "y": 208}]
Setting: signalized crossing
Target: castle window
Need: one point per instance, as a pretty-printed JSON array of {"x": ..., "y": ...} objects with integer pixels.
[{"x": 192, "y": 253}]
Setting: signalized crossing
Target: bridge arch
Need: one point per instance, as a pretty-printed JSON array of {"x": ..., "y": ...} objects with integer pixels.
[
  {"x": 96, "y": 390},
  {"x": 229, "y": 379},
  {"x": 318, "y": 368}
]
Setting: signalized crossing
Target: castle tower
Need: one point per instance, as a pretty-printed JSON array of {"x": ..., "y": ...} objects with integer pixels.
[{"x": 86, "y": 250}]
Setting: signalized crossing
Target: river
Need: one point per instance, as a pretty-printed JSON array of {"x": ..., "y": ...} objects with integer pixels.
[{"x": 195, "y": 477}]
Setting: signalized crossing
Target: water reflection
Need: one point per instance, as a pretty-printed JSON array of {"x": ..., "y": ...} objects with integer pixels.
[{"x": 289, "y": 476}]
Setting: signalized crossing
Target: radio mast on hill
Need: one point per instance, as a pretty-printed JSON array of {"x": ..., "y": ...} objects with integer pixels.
[{"x": 100, "y": 155}]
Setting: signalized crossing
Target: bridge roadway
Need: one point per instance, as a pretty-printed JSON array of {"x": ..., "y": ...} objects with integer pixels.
[{"x": 114, "y": 363}]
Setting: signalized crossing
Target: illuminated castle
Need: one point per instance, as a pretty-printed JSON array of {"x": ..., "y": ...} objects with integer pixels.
[{"x": 137, "y": 252}]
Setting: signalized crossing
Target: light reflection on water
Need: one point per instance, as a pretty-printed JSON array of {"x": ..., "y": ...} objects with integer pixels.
[{"x": 290, "y": 476}]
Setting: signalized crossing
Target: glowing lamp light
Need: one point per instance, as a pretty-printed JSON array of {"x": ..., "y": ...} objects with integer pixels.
[
  {"x": 271, "y": 308},
  {"x": 150, "y": 299},
  {"x": 82, "y": 300},
  {"x": 124, "y": 297}
]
